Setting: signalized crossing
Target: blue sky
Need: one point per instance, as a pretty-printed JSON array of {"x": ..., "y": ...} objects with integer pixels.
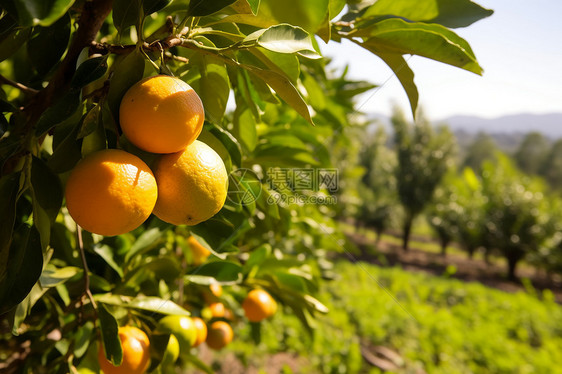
[{"x": 519, "y": 47}]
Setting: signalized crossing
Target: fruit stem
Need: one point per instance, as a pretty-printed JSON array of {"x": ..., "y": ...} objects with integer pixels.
[{"x": 85, "y": 266}]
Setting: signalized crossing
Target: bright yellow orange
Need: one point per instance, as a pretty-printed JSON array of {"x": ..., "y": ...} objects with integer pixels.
[
  {"x": 192, "y": 185},
  {"x": 161, "y": 114},
  {"x": 259, "y": 305},
  {"x": 220, "y": 334},
  {"x": 111, "y": 192},
  {"x": 136, "y": 354},
  {"x": 198, "y": 252},
  {"x": 201, "y": 331}
]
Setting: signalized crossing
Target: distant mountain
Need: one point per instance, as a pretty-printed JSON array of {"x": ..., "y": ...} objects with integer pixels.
[{"x": 549, "y": 125}]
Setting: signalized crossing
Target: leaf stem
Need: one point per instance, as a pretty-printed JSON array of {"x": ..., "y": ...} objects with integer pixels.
[{"x": 85, "y": 266}]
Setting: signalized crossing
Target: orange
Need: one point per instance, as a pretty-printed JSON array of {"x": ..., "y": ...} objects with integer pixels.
[
  {"x": 216, "y": 289},
  {"x": 198, "y": 252},
  {"x": 201, "y": 331},
  {"x": 192, "y": 185},
  {"x": 217, "y": 310},
  {"x": 220, "y": 334},
  {"x": 111, "y": 192},
  {"x": 259, "y": 305},
  {"x": 136, "y": 354},
  {"x": 161, "y": 114},
  {"x": 213, "y": 293}
]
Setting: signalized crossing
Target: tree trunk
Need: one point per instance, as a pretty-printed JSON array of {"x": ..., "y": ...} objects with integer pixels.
[
  {"x": 471, "y": 251},
  {"x": 512, "y": 261},
  {"x": 444, "y": 244},
  {"x": 407, "y": 229},
  {"x": 379, "y": 234}
]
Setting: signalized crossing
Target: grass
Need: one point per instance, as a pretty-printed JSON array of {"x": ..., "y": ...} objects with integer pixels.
[{"x": 438, "y": 324}]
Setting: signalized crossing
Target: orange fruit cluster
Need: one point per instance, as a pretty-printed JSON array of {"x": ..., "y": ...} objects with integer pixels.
[{"x": 112, "y": 192}]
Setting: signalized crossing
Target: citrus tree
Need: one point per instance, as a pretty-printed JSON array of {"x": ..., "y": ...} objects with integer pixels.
[{"x": 101, "y": 104}]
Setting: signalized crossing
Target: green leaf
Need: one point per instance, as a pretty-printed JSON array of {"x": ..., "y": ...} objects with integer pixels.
[
  {"x": 47, "y": 188},
  {"x": 405, "y": 75},
  {"x": 67, "y": 153},
  {"x": 110, "y": 336},
  {"x": 11, "y": 43},
  {"x": 284, "y": 39},
  {"x": 209, "y": 78},
  {"x": 254, "y": 5},
  {"x": 223, "y": 272},
  {"x": 284, "y": 88},
  {"x": 228, "y": 141},
  {"x": 90, "y": 122},
  {"x": 245, "y": 127},
  {"x": 200, "y": 8},
  {"x": 82, "y": 339},
  {"x": 9, "y": 189},
  {"x": 282, "y": 63},
  {"x": 126, "y": 13},
  {"x": 56, "y": 37},
  {"x": 449, "y": 13},
  {"x": 26, "y": 264},
  {"x": 95, "y": 141},
  {"x": 40, "y": 12},
  {"x": 257, "y": 256},
  {"x": 316, "y": 96},
  {"x": 151, "y": 6},
  {"x": 106, "y": 252},
  {"x": 432, "y": 41},
  {"x": 89, "y": 71},
  {"x": 128, "y": 71},
  {"x": 147, "y": 303},
  {"x": 148, "y": 240},
  {"x": 52, "y": 276},
  {"x": 58, "y": 112},
  {"x": 309, "y": 14}
]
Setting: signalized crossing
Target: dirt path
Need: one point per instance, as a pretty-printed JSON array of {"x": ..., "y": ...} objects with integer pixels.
[{"x": 469, "y": 270}]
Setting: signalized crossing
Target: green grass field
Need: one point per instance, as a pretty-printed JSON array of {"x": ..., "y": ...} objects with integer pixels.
[{"x": 436, "y": 324}]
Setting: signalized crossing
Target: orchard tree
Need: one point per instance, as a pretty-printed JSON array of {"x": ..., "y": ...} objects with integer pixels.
[
  {"x": 532, "y": 153},
  {"x": 551, "y": 170},
  {"x": 481, "y": 149},
  {"x": 378, "y": 185},
  {"x": 518, "y": 221},
  {"x": 73, "y": 300},
  {"x": 424, "y": 155}
]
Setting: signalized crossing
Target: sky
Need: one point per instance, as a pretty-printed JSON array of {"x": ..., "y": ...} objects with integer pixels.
[{"x": 519, "y": 47}]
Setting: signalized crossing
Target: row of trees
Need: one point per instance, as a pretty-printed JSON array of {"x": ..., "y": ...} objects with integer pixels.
[{"x": 496, "y": 206}]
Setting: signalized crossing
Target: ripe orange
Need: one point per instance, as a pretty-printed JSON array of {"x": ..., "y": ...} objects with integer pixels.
[
  {"x": 219, "y": 335},
  {"x": 136, "y": 354},
  {"x": 217, "y": 310},
  {"x": 198, "y": 252},
  {"x": 216, "y": 289},
  {"x": 192, "y": 185},
  {"x": 201, "y": 331},
  {"x": 259, "y": 305},
  {"x": 161, "y": 114},
  {"x": 111, "y": 192}
]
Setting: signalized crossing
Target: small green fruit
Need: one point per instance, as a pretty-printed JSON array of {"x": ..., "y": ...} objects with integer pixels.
[{"x": 182, "y": 327}]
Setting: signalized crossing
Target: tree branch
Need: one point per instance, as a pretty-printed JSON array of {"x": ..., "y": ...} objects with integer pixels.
[
  {"x": 91, "y": 19},
  {"x": 17, "y": 85}
]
